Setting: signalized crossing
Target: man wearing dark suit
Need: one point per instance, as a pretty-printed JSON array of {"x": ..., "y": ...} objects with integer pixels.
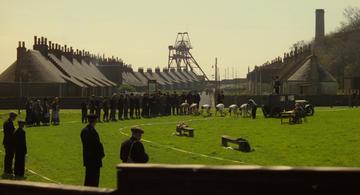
[
  {"x": 20, "y": 150},
  {"x": 121, "y": 106},
  {"x": 132, "y": 150},
  {"x": 8, "y": 143},
  {"x": 93, "y": 152}
]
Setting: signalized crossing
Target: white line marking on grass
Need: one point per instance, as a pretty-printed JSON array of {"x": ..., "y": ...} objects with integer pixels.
[
  {"x": 177, "y": 149},
  {"x": 38, "y": 174},
  {"x": 42, "y": 176},
  {"x": 333, "y": 110}
]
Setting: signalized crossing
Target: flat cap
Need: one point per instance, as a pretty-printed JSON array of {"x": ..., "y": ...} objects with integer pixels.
[
  {"x": 137, "y": 130},
  {"x": 91, "y": 117},
  {"x": 12, "y": 114},
  {"x": 21, "y": 122}
]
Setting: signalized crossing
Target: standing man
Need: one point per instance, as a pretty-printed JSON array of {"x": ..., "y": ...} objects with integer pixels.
[
  {"x": 121, "y": 106},
  {"x": 253, "y": 106},
  {"x": 105, "y": 106},
  {"x": 113, "y": 105},
  {"x": 132, "y": 105},
  {"x": 84, "y": 111},
  {"x": 132, "y": 150},
  {"x": 20, "y": 150},
  {"x": 277, "y": 85},
  {"x": 8, "y": 143},
  {"x": 93, "y": 152}
]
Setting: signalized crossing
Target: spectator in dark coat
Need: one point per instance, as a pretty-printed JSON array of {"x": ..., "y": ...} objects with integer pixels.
[
  {"x": 126, "y": 106},
  {"x": 132, "y": 150},
  {"x": 253, "y": 106},
  {"x": 93, "y": 152},
  {"x": 20, "y": 150},
  {"x": 132, "y": 105},
  {"x": 121, "y": 106},
  {"x": 145, "y": 106},
  {"x": 92, "y": 104},
  {"x": 46, "y": 112},
  {"x": 84, "y": 111},
  {"x": 8, "y": 142},
  {"x": 105, "y": 106},
  {"x": 113, "y": 106},
  {"x": 197, "y": 99},
  {"x": 137, "y": 105}
]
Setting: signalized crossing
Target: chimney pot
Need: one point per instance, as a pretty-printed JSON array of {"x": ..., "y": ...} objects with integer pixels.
[
  {"x": 42, "y": 41},
  {"x": 23, "y": 44},
  {"x": 35, "y": 40},
  {"x": 45, "y": 41},
  {"x": 19, "y": 44}
]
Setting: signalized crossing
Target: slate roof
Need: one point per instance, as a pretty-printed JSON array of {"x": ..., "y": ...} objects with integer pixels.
[
  {"x": 311, "y": 71},
  {"x": 38, "y": 70}
]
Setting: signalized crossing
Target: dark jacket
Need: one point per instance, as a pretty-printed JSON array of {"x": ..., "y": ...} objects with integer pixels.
[
  {"x": 138, "y": 154},
  {"x": 8, "y": 133},
  {"x": 20, "y": 141},
  {"x": 93, "y": 150}
]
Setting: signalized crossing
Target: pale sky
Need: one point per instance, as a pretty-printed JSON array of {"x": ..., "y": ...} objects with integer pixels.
[{"x": 240, "y": 33}]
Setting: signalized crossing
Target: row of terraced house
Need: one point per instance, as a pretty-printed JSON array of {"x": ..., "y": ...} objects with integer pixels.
[{"x": 50, "y": 69}]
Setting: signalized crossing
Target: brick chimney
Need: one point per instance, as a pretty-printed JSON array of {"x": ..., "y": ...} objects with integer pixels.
[
  {"x": 320, "y": 24},
  {"x": 21, "y": 52},
  {"x": 141, "y": 70},
  {"x": 149, "y": 70}
]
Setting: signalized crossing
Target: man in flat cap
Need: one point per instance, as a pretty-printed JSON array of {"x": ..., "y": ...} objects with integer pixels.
[
  {"x": 132, "y": 150},
  {"x": 8, "y": 143},
  {"x": 93, "y": 152},
  {"x": 20, "y": 150}
]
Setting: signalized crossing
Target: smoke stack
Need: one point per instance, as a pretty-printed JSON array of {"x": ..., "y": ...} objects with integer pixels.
[
  {"x": 21, "y": 51},
  {"x": 320, "y": 24}
]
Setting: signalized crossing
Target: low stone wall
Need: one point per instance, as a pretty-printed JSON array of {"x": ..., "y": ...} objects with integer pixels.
[{"x": 160, "y": 179}]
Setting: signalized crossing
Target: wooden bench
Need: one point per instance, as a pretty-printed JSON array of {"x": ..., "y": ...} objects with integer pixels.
[
  {"x": 187, "y": 131},
  {"x": 287, "y": 115},
  {"x": 226, "y": 139}
]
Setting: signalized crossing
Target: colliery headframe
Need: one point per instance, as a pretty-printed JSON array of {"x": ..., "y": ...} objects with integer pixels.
[{"x": 181, "y": 58}]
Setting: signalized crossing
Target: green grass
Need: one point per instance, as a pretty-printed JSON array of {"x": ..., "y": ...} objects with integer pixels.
[{"x": 330, "y": 138}]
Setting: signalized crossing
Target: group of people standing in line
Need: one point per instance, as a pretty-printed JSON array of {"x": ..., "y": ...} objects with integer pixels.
[
  {"x": 134, "y": 106},
  {"x": 38, "y": 112}
]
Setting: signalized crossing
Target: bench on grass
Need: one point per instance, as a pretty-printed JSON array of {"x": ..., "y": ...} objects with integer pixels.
[
  {"x": 287, "y": 115},
  {"x": 243, "y": 144},
  {"x": 290, "y": 115},
  {"x": 187, "y": 131}
]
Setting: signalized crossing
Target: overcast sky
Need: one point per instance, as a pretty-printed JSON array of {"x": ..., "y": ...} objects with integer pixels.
[{"x": 241, "y": 33}]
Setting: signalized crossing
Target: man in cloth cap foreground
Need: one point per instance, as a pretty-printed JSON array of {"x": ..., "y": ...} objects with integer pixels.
[
  {"x": 20, "y": 150},
  {"x": 93, "y": 152},
  {"x": 132, "y": 150}
]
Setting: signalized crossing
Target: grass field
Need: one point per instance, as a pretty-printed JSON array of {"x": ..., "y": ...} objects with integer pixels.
[{"x": 330, "y": 138}]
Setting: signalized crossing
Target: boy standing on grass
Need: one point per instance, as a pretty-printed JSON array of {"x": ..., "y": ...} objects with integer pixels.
[
  {"x": 20, "y": 150},
  {"x": 132, "y": 150}
]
